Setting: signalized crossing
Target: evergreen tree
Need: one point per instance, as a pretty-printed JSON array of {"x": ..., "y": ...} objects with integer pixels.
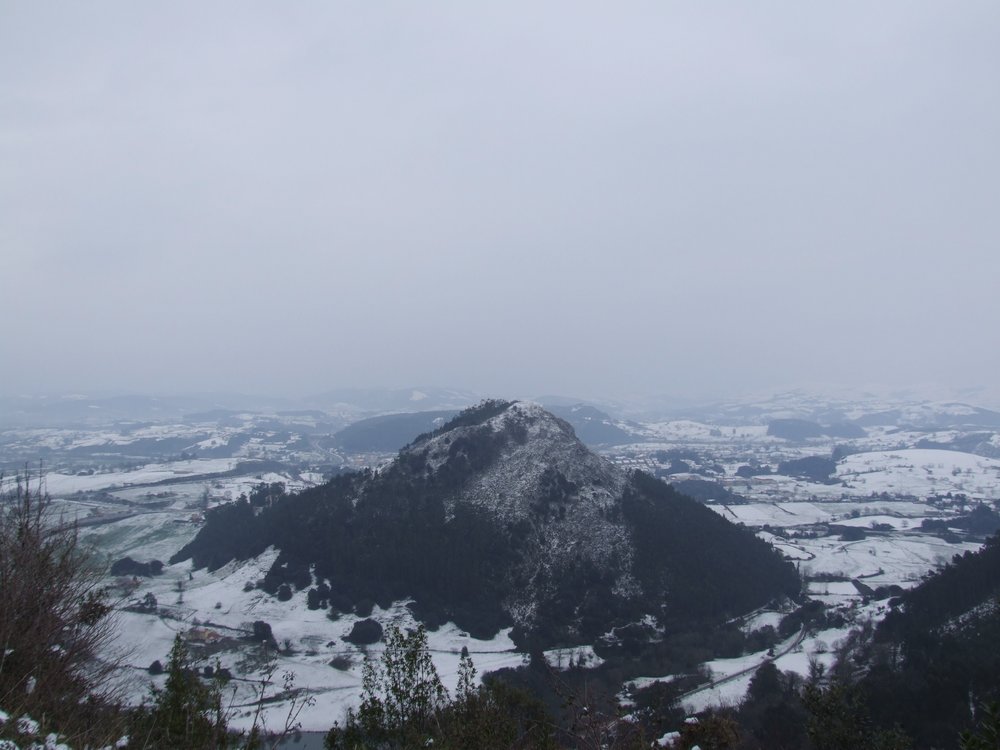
[
  {"x": 401, "y": 694},
  {"x": 186, "y": 714},
  {"x": 839, "y": 720},
  {"x": 987, "y": 736},
  {"x": 404, "y": 705}
]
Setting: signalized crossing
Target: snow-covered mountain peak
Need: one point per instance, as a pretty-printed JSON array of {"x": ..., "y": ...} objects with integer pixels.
[
  {"x": 535, "y": 418},
  {"x": 518, "y": 455}
]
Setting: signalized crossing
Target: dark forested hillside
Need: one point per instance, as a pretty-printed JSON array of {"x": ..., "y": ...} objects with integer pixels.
[
  {"x": 502, "y": 517},
  {"x": 936, "y": 660},
  {"x": 704, "y": 564}
]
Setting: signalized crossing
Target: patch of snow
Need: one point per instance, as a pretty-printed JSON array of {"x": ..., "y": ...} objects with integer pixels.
[
  {"x": 314, "y": 639},
  {"x": 59, "y": 484},
  {"x": 669, "y": 739},
  {"x": 762, "y": 619},
  {"x": 579, "y": 656}
]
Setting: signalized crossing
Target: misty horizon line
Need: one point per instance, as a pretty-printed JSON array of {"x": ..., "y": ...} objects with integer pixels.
[{"x": 913, "y": 391}]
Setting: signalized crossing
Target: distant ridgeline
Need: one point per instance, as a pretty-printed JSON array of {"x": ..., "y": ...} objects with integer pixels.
[{"x": 501, "y": 517}]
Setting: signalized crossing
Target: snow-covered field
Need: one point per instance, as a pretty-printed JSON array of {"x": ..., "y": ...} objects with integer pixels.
[
  {"x": 147, "y": 536},
  {"x": 60, "y": 485},
  {"x": 900, "y": 560},
  {"x": 795, "y": 514},
  {"x": 899, "y": 557},
  {"x": 916, "y": 473},
  {"x": 921, "y": 472},
  {"x": 219, "y": 609},
  {"x": 687, "y": 430}
]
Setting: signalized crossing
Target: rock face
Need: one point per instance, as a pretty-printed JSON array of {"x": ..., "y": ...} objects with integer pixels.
[
  {"x": 502, "y": 517},
  {"x": 564, "y": 499}
]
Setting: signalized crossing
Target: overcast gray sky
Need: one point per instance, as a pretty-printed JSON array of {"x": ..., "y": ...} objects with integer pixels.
[{"x": 516, "y": 197}]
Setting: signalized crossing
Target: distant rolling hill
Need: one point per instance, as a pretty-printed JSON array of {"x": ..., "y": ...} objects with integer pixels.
[
  {"x": 389, "y": 432},
  {"x": 423, "y": 398},
  {"x": 593, "y": 426}
]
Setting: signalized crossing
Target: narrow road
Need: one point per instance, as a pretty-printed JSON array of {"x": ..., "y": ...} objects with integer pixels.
[{"x": 795, "y": 643}]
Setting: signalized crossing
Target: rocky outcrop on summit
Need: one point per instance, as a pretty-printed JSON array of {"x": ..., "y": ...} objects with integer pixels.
[{"x": 502, "y": 517}]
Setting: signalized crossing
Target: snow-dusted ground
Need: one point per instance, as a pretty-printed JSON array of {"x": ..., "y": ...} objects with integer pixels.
[
  {"x": 794, "y": 514},
  {"x": 116, "y": 439},
  {"x": 900, "y": 557},
  {"x": 687, "y": 430},
  {"x": 730, "y": 677},
  {"x": 918, "y": 473},
  {"x": 60, "y": 485},
  {"x": 147, "y": 536},
  {"x": 921, "y": 472},
  {"x": 900, "y": 515},
  {"x": 761, "y": 620},
  {"x": 216, "y": 604},
  {"x": 900, "y": 560}
]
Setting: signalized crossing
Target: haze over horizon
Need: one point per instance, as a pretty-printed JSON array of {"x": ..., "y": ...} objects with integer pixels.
[{"x": 569, "y": 198}]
